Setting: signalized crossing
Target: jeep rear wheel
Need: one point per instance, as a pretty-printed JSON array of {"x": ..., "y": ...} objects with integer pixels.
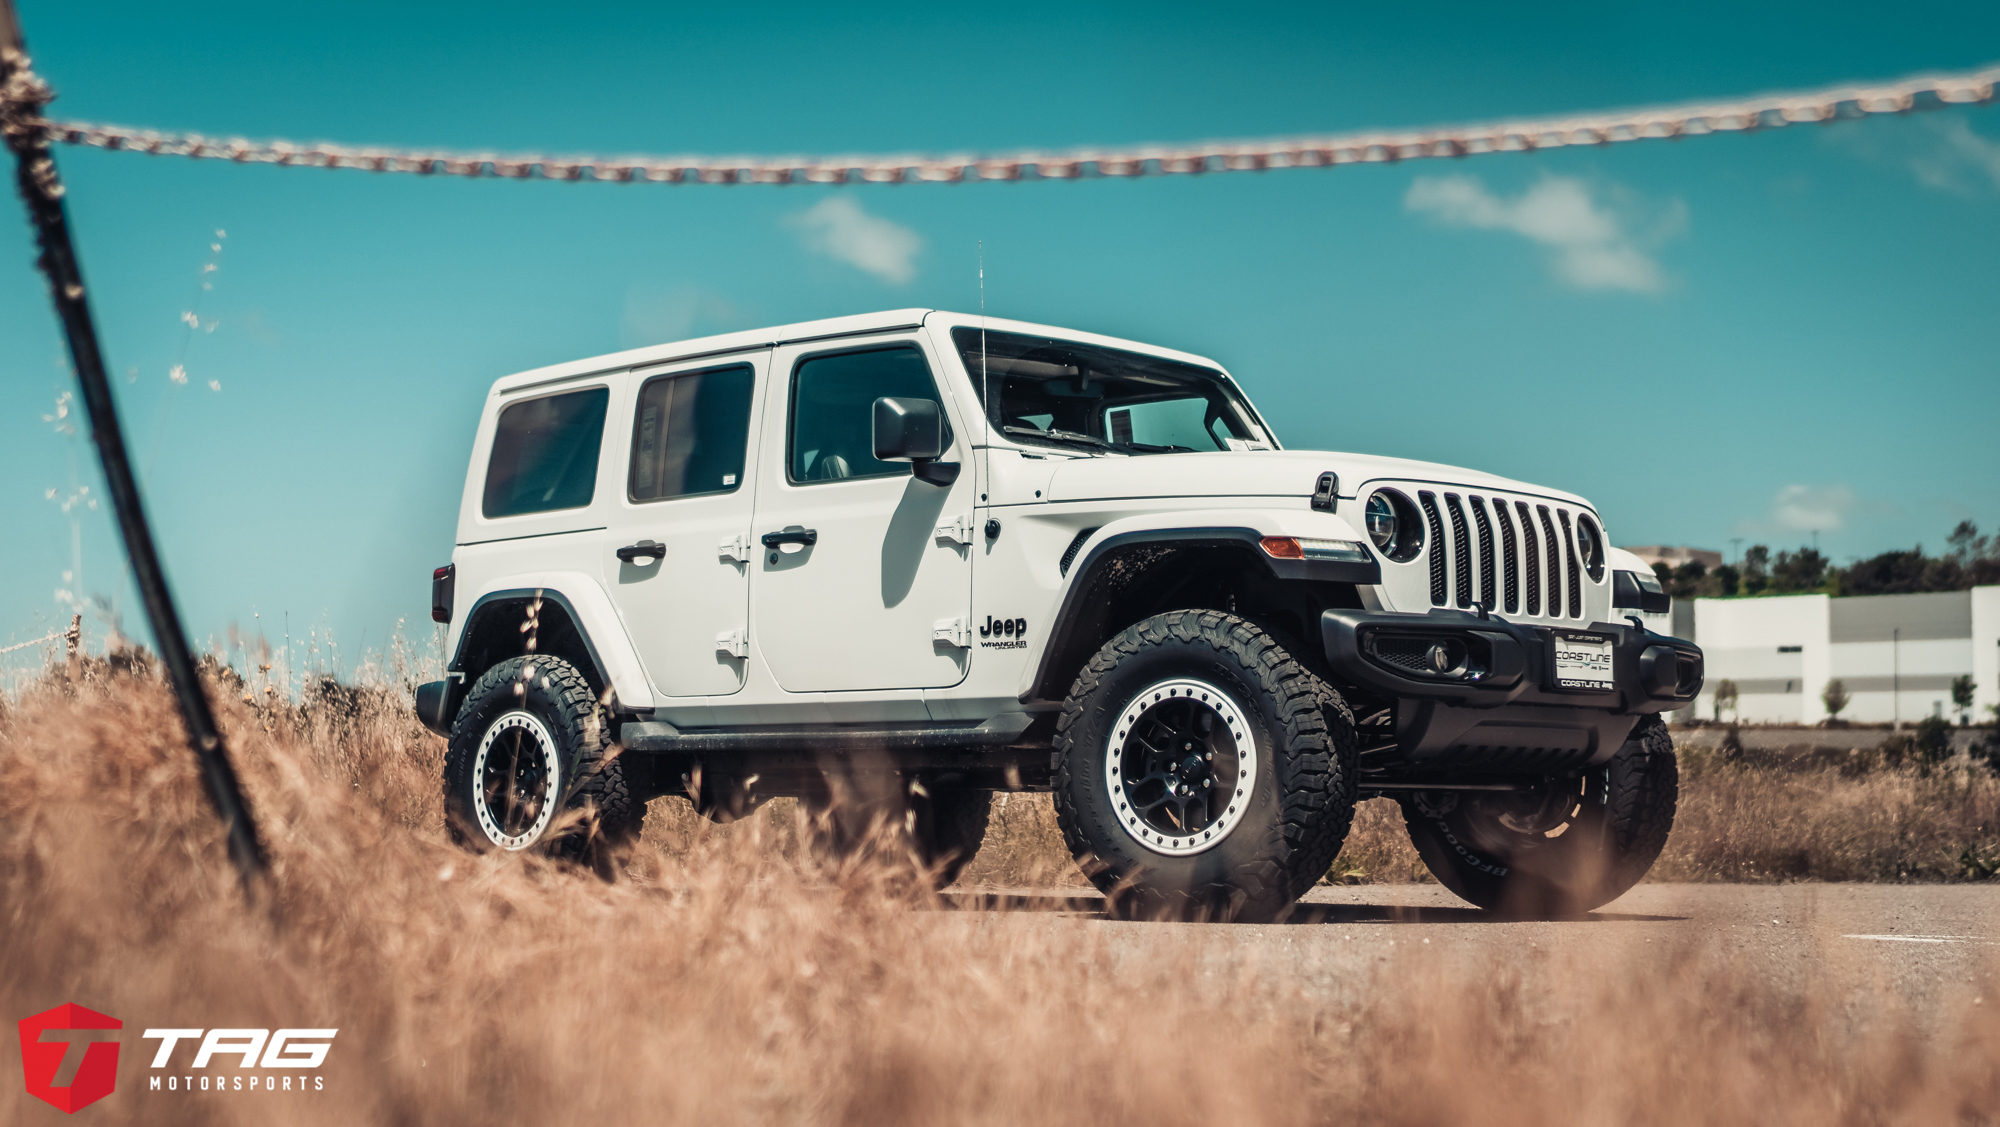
[
  {"x": 1202, "y": 772},
  {"x": 1567, "y": 847},
  {"x": 529, "y": 744}
]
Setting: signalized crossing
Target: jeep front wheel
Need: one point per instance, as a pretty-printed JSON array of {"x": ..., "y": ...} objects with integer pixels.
[
  {"x": 1565, "y": 847},
  {"x": 1202, "y": 771},
  {"x": 529, "y": 743}
]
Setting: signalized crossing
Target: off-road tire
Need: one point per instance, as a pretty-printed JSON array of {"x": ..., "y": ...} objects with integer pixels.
[
  {"x": 940, "y": 831},
  {"x": 1301, "y": 803},
  {"x": 592, "y": 775},
  {"x": 1625, "y": 812}
]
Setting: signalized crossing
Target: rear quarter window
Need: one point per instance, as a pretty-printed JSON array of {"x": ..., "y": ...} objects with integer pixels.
[{"x": 545, "y": 454}]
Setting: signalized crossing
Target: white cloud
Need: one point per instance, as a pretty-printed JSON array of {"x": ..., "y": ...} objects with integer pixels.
[
  {"x": 1959, "y": 151},
  {"x": 838, "y": 228},
  {"x": 1806, "y": 508},
  {"x": 1590, "y": 245}
]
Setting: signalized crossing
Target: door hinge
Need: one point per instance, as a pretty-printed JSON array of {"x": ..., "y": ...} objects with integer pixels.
[
  {"x": 735, "y": 548},
  {"x": 959, "y": 531},
  {"x": 732, "y": 643},
  {"x": 952, "y": 631}
]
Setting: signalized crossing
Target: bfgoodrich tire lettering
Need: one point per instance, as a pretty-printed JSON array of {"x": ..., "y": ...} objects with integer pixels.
[
  {"x": 530, "y": 744},
  {"x": 1299, "y": 798},
  {"x": 1577, "y": 846}
]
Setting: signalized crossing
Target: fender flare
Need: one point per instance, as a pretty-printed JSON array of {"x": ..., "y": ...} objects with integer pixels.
[
  {"x": 1102, "y": 545},
  {"x": 596, "y": 619}
]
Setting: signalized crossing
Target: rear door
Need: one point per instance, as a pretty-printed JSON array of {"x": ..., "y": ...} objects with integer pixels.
[
  {"x": 881, "y": 597},
  {"x": 677, "y": 554}
]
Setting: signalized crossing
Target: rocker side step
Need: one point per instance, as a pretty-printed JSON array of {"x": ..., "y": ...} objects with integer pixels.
[{"x": 660, "y": 736}]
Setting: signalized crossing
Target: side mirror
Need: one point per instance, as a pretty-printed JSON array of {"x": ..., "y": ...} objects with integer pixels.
[
  {"x": 908, "y": 430},
  {"x": 1635, "y": 591},
  {"x": 912, "y": 430}
]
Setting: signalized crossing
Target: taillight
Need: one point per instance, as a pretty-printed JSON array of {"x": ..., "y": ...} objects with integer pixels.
[{"x": 441, "y": 590}]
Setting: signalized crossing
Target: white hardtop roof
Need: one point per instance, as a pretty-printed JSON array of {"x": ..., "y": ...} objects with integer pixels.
[{"x": 829, "y": 328}]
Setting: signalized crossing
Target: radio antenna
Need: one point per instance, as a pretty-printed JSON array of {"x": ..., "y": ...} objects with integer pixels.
[{"x": 985, "y": 387}]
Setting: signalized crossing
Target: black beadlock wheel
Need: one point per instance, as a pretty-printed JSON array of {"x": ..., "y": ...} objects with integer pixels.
[
  {"x": 1571, "y": 846},
  {"x": 1202, "y": 771},
  {"x": 530, "y": 744}
]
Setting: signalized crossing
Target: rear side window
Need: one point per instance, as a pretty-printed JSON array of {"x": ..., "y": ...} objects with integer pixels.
[
  {"x": 833, "y": 411},
  {"x": 545, "y": 454},
  {"x": 690, "y": 433}
]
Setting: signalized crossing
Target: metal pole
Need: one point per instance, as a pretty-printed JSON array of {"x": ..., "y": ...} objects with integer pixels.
[
  {"x": 22, "y": 96},
  {"x": 1896, "y": 677}
]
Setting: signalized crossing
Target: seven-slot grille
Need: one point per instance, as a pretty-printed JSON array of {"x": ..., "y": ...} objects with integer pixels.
[{"x": 1531, "y": 567}]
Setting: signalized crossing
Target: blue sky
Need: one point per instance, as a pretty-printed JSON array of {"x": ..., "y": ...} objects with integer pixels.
[{"x": 1735, "y": 336}]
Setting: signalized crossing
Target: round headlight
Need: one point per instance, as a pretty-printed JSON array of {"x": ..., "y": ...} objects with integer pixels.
[
  {"x": 1591, "y": 543},
  {"x": 1380, "y": 517}
]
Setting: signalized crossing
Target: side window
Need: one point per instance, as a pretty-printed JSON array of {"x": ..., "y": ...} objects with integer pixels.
[
  {"x": 689, "y": 434},
  {"x": 545, "y": 454},
  {"x": 833, "y": 411}
]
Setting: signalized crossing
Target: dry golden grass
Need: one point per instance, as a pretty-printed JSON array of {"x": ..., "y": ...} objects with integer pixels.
[{"x": 726, "y": 980}]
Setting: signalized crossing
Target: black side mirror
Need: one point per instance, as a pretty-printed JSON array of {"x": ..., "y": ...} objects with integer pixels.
[
  {"x": 1629, "y": 589},
  {"x": 908, "y": 430},
  {"x": 912, "y": 430}
]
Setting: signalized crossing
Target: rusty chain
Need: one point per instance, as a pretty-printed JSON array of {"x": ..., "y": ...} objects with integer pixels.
[{"x": 1689, "y": 120}]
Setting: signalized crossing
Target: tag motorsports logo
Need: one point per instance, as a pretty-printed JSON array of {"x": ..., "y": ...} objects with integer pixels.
[{"x": 69, "y": 1058}]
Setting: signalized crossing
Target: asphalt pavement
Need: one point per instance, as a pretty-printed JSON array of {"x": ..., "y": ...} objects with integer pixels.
[{"x": 1933, "y": 947}]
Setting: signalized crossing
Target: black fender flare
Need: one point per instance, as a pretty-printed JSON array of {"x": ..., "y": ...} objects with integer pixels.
[{"x": 1085, "y": 572}]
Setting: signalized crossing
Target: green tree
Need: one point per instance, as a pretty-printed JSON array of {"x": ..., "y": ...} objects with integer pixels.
[
  {"x": 1835, "y": 698},
  {"x": 1725, "y": 698},
  {"x": 1727, "y": 579},
  {"x": 1756, "y": 569},
  {"x": 1961, "y": 696},
  {"x": 1803, "y": 570}
]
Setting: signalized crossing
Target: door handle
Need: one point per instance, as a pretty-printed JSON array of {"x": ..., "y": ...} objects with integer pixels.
[
  {"x": 792, "y": 534},
  {"x": 646, "y": 549}
]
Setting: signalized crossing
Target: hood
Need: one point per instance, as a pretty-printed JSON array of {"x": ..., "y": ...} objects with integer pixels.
[{"x": 1262, "y": 473}]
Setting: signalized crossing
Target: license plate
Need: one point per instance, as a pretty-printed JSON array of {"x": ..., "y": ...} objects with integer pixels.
[{"x": 1583, "y": 661}]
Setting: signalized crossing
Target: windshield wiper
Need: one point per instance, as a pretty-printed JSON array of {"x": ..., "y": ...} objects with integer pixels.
[{"x": 1069, "y": 436}]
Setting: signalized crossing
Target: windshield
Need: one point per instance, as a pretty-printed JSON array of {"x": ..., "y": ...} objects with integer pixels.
[{"x": 1080, "y": 396}]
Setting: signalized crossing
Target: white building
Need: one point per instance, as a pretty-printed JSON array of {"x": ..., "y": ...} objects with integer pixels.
[{"x": 1897, "y": 655}]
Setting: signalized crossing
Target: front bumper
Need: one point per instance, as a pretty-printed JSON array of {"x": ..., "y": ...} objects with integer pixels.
[{"x": 1484, "y": 693}]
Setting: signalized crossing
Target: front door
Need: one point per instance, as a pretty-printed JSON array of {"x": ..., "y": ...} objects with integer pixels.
[
  {"x": 881, "y": 596},
  {"x": 677, "y": 553}
]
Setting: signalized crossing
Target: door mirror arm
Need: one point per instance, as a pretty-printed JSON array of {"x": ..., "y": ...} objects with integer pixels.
[{"x": 934, "y": 471}]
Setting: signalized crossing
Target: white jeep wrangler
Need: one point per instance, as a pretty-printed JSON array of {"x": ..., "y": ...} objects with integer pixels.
[{"x": 919, "y": 557}]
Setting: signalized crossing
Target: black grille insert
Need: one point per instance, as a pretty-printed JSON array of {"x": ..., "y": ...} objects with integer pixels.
[
  {"x": 1533, "y": 554},
  {"x": 1461, "y": 551},
  {"x": 1555, "y": 562},
  {"x": 1507, "y": 552},
  {"x": 1575, "y": 571},
  {"x": 1429, "y": 501},
  {"x": 1487, "y": 594}
]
